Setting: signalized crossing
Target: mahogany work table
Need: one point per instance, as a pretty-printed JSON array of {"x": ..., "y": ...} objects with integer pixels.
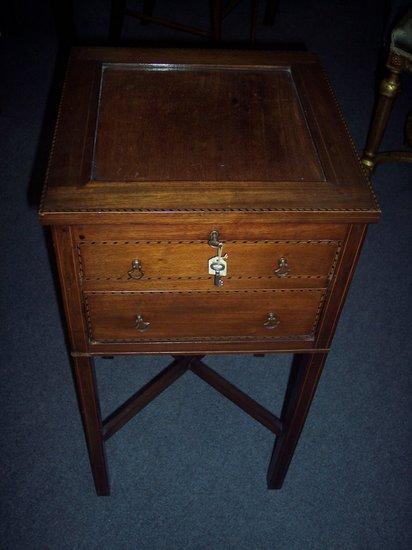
[{"x": 202, "y": 202}]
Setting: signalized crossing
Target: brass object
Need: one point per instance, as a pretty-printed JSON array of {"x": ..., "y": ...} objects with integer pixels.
[
  {"x": 283, "y": 270},
  {"x": 136, "y": 271},
  {"x": 141, "y": 324},
  {"x": 368, "y": 164},
  {"x": 390, "y": 86},
  {"x": 214, "y": 239},
  {"x": 272, "y": 321}
]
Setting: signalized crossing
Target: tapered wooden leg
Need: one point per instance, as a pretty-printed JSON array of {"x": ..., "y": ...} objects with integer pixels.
[
  {"x": 389, "y": 89},
  {"x": 303, "y": 380},
  {"x": 117, "y": 11},
  {"x": 254, "y": 8},
  {"x": 83, "y": 370},
  {"x": 216, "y": 20},
  {"x": 270, "y": 12},
  {"x": 408, "y": 130},
  {"x": 148, "y": 9}
]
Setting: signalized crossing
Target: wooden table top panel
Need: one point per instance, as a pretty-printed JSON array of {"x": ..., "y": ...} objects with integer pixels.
[
  {"x": 201, "y": 125},
  {"x": 200, "y": 130}
]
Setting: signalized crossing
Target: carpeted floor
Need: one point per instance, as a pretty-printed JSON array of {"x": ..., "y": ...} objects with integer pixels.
[{"x": 189, "y": 471}]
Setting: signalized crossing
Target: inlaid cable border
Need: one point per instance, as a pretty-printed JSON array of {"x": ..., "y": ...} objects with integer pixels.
[
  {"x": 205, "y": 338},
  {"x": 326, "y": 242}
]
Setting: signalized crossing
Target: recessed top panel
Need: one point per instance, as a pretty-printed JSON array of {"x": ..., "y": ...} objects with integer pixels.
[
  {"x": 201, "y": 124},
  {"x": 144, "y": 131}
]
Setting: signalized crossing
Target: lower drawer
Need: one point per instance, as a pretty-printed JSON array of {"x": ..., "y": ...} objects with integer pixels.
[{"x": 160, "y": 316}]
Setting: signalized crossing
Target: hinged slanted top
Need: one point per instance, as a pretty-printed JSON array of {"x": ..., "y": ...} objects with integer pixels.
[{"x": 172, "y": 131}]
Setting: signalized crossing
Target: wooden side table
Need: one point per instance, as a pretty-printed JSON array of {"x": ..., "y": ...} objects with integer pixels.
[{"x": 202, "y": 202}]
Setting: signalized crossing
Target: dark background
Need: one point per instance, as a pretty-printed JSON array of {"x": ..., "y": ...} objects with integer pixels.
[{"x": 190, "y": 470}]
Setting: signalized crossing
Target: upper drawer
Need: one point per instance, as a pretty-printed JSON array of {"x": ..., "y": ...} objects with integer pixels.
[{"x": 172, "y": 264}]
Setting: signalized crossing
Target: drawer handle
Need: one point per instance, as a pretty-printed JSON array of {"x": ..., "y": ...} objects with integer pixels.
[
  {"x": 136, "y": 272},
  {"x": 272, "y": 321},
  {"x": 141, "y": 324},
  {"x": 283, "y": 270}
]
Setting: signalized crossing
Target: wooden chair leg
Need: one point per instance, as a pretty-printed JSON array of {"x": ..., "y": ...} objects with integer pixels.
[
  {"x": 216, "y": 20},
  {"x": 270, "y": 12},
  {"x": 148, "y": 9},
  {"x": 303, "y": 380},
  {"x": 254, "y": 9},
  {"x": 83, "y": 371},
  {"x": 64, "y": 20},
  {"x": 117, "y": 12},
  {"x": 408, "y": 130},
  {"x": 389, "y": 89}
]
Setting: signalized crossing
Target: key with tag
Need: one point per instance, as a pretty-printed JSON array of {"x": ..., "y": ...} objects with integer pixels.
[{"x": 218, "y": 266}]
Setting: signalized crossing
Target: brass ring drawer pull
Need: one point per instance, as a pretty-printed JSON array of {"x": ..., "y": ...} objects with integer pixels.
[
  {"x": 272, "y": 321},
  {"x": 141, "y": 324},
  {"x": 136, "y": 271},
  {"x": 283, "y": 270}
]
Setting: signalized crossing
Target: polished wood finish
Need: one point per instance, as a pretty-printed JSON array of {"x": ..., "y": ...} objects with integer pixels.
[
  {"x": 83, "y": 372},
  {"x": 222, "y": 316},
  {"x": 197, "y": 227},
  {"x": 153, "y": 150},
  {"x": 220, "y": 149},
  {"x": 298, "y": 177},
  {"x": 303, "y": 380},
  {"x": 203, "y": 347},
  {"x": 107, "y": 265},
  {"x": 71, "y": 292},
  {"x": 338, "y": 289}
]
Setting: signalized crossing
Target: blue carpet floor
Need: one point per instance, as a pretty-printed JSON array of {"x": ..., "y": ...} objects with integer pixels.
[{"x": 189, "y": 471}]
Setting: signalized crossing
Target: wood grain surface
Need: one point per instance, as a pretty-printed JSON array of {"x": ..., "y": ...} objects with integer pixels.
[
  {"x": 111, "y": 261},
  {"x": 206, "y": 125},
  {"x": 202, "y": 314},
  {"x": 210, "y": 131}
]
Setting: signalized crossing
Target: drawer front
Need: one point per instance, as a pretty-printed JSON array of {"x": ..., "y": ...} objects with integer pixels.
[
  {"x": 167, "y": 264},
  {"x": 134, "y": 317}
]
